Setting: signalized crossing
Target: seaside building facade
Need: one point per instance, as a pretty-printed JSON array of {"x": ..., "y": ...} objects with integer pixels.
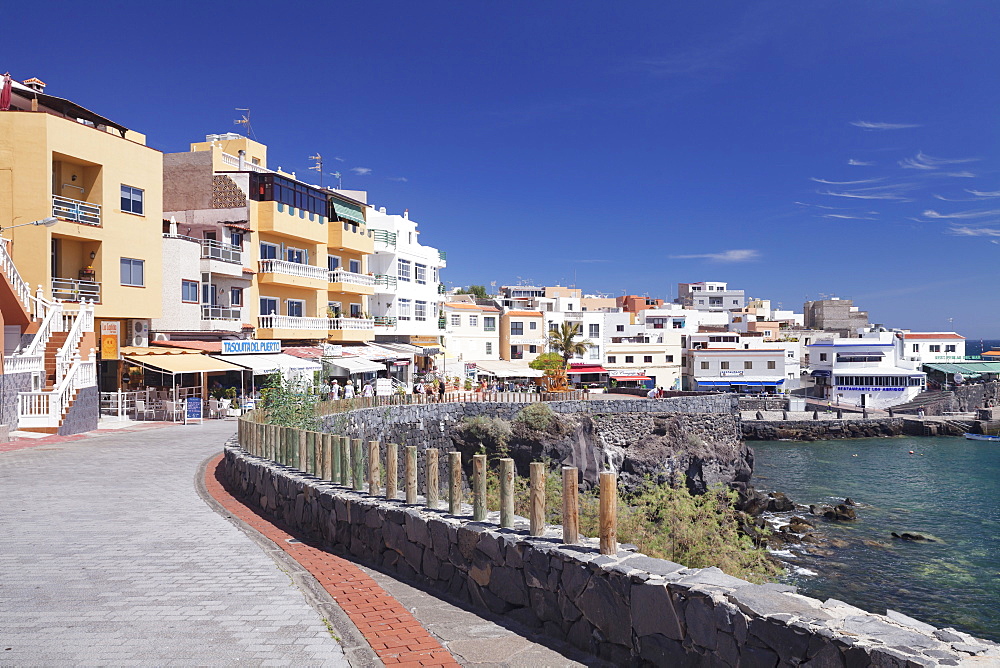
[{"x": 872, "y": 370}]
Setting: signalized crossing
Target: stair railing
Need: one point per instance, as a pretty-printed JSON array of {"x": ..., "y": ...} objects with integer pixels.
[
  {"x": 45, "y": 408},
  {"x": 77, "y": 323}
]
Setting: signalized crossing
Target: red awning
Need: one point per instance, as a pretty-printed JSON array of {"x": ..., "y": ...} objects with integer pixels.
[
  {"x": 585, "y": 368},
  {"x": 631, "y": 378}
]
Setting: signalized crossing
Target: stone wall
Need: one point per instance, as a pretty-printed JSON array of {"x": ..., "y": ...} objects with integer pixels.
[
  {"x": 10, "y": 385},
  {"x": 83, "y": 413},
  {"x": 814, "y": 430},
  {"x": 971, "y": 397},
  {"x": 627, "y": 608}
]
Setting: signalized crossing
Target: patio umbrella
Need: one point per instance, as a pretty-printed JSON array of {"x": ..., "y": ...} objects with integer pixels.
[{"x": 5, "y": 93}]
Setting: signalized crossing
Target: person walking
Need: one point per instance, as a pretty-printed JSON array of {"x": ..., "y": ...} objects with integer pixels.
[
  {"x": 349, "y": 389},
  {"x": 441, "y": 390},
  {"x": 334, "y": 390},
  {"x": 368, "y": 390}
]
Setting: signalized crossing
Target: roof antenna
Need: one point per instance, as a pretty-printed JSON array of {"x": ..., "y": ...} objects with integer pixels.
[
  {"x": 318, "y": 167},
  {"x": 245, "y": 121}
]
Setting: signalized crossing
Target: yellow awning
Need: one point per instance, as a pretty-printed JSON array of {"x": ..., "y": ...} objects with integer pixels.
[{"x": 182, "y": 363}]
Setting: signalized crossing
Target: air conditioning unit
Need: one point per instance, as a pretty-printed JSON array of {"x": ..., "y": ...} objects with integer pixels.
[{"x": 138, "y": 333}]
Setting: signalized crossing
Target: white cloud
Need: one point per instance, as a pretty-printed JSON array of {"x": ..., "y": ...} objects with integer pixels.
[
  {"x": 840, "y": 215},
  {"x": 962, "y": 175},
  {"x": 959, "y": 199},
  {"x": 975, "y": 231},
  {"x": 926, "y": 162},
  {"x": 871, "y": 125},
  {"x": 741, "y": 255},
  {"x": 960, "y": 215},
  {"x": 361, "y": 171},
  {"x": 338, "y": 158},
  {"x": 844, "y": 183},
  {"x": 864, "y": 194},
  {"x": 859, "y": 163},
  {"x": 401, "y": 179},
  {"x": 980, "y": 193}
]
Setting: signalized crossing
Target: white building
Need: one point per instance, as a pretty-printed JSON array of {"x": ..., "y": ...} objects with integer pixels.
[
  {"x": 471, "y": 334},
  {"x": 930, "y": 347},
  {"x": 727, "y": 361},
  {"x": 709, "y": 296},
  {"x": 408, "y": 293},
  {"x": 873, "y": 370}
]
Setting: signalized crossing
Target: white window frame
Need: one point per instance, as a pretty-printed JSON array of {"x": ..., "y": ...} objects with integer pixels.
[
  {"x": 473, "y": 321},
  {"x": 404, "y": 309},
  {"x": 270, "y": 311},
  {"x": 273, "y": 247},
  {"x": 354, "y": 266},
  {"x": 301, "y": 307},
  {"x": 420, "y": 311},
  {"x": 131, "y": 191},
  {"x": 420, "y": 274},
  {"x": 403, "y": 270},
  {"x": 455, "y": 320},
  {"x": 132, "y": 263}
]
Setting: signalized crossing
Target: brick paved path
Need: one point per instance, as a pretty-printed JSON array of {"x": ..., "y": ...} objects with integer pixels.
[{"x": 107, "y": 556}]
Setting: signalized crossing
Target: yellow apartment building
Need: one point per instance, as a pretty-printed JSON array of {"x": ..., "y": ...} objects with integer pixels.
[
  {"x": 308, "y": 247},
  {"x": 103, "y": 186}
]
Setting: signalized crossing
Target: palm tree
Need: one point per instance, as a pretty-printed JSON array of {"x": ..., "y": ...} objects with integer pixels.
[{"x": 563, "y": 341}]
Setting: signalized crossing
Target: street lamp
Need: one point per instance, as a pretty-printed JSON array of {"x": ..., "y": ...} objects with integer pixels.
[{"x": 47, "y": 222}]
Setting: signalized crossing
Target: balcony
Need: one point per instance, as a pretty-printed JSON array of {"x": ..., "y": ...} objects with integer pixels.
[
  {"x": 360, "y": 324},
  {"x": 292, "y": 322},
  {"x": 354, "y": 278},
  {"x": 385, "y": 238},
  {"x": 219, "y": 313},
  {"x": 443, "y": 256},
  {"x": 76, "y": 211},
  {"x": 292, "y": 273},
  {"x": 216, "y": 250},
  {"x": 72, "y": 290},
  {"x": 243, "y": 164},
  {"x": 385, "y": 283},
  {"x": 385, "y": 321}
]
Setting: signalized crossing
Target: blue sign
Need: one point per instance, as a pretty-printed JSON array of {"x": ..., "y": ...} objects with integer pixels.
[
  {"x": 250, "y": 346},
  {"x": 193, "y": 408}
]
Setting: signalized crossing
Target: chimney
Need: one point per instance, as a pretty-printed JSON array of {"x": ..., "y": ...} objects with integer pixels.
[
  {"x": 34, "y": 84},
  {"x": 406, "y": 214}
]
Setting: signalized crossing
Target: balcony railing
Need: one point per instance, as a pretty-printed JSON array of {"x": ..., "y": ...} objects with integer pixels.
[
  {"x": 385, "y": 321},
  {"x": 384, "y": 237},
  {"x": 247, "y": 166},
  {"x": 216, "y": 250},
  {"x": 292, "y": 269},
  {"x": 352, "y": 323},
  {"x": 443, "y": 255},
  {"x": 76, "y": 210},
  {"x": 218, "y": 313},
  {"x": 72, "y": 290},
  {"x": 342, "y": 276},
  {"x": 384, "y": 280},
  {"x": 292, "y": 322}
]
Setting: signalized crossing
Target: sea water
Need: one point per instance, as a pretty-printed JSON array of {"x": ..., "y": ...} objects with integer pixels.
[{"x": 947, "y": 490}]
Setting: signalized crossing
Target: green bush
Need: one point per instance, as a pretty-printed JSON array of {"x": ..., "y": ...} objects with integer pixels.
[
  {"x": 493, "y": 434},
  {"x": 538, "y": 417},
  {"x": 283, "y": 405}
]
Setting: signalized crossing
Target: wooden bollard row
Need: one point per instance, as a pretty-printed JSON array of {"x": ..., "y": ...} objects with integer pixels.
[{"x": 351, "y": 463}]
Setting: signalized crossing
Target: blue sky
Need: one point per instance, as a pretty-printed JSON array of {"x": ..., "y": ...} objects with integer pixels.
[{"x": 792, "y": 149}]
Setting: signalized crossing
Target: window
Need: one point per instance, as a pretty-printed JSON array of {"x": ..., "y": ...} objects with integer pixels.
[
  {"x": 770, "y": 364},
  {"x": 473, "y": 321},
  {"x": 736, "y": 302},
  {"x": 670, "y": 358},
  {"x": 916, "y": 347},
  {"x": 274, "y": 188},
  {"x": 268, "y": 306},
  {"x": 647, "y": 359},
  {"x": 296, "y": 255},
  {"x": 677, "y": 324},
  {"x": 420, "y": 273},
  {"x": 189, "y": 292},
  {"x": 934, "y": 348},
  {"x": 456, "y": 320},
  {"x": 355, "y": 310},
  {"x": 619, "y": 328},
  {"x": 132, "y": 272},
  {"x": 132, "y": 200},
  {"x": 236, "y": 238},
  {"x": 822, "y": 357},
  {"x": 268, "y": 251},
  {"x": 517, "y": 329},
  {"x": 335, "y": 308},
  {"x": 293, "y": 307},
  {"x": 723, "y": 365},
  {"x": 354, "y": 266},
  {"x": 420, "y": 310},
  {"x": 950, "y": 349},
  {"x": 532, "y": 349},
  {"x": 532, "y": 325},
  {"x": 704, "y": 365},
  {"x": 594, "y": 330},
  {"x": 595, "y": 353},
  {"x": 612, "y": 359},
  {"x": 747, "y": 364},
  {"x": 629, "y": 359},
  {"x": 403, "y": 270},
  {"x": 403, "y": 308},
  {"x": 489, "y": 347},
  {"x": 489, "y": 323}
]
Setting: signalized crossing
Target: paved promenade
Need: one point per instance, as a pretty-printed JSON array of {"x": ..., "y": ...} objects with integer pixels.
[{"x": 109, "y": 557}]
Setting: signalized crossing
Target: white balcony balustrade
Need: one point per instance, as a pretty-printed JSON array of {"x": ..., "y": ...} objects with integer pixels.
[
  {"x": 219, "y": 313},
  {"x": 216, "y": 250},
  {"x": 293, "y": 269},
  {"x": 351, "y": 278},
  {"x": 72, "y": 290},
  {"x": 292, "y": 322}
]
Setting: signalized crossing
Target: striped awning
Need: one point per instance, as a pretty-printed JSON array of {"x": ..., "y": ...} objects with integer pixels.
[{"x": 347, "y": 211}]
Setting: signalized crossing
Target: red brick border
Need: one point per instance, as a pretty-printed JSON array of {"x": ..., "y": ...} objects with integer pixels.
[{"x": 396, "y": 636}]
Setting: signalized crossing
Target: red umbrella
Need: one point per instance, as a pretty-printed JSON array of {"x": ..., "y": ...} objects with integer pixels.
[{"x": 5, "y": 93}]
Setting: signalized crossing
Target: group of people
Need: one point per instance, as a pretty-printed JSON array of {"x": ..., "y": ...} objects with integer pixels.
[
  {"x": 429, "y": 390},
  {"x": 334, "y": 391},
  {"x": 656, "y": 393}
]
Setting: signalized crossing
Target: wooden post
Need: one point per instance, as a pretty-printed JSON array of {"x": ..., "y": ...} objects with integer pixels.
[
  {"x": 454, "y": 482},
  {"x": 571, "y": 508},
  {"x": 537, "y": 499},
  {"x": 431, "y": 476},
  {"x": 345, "y": 461},
  {"x": 358, "y": 460},
  {"x": 310, "y": 466},
  {"x": 326, "y": 447},
  {"x": 506, "y": 493},
  {"x": 336, "y": 457},
  {"x": 299, "y": 448},
  {"x": 410, "y": 473},
  {"x": 609, "y": 514},
  {"x": 391, "y": 470},
  {"x": 373, "y": 481},
  {"x": 478, "y": 487}
]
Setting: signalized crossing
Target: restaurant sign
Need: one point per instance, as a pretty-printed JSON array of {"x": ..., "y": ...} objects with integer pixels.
[{"x": 250, "y": 346}]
